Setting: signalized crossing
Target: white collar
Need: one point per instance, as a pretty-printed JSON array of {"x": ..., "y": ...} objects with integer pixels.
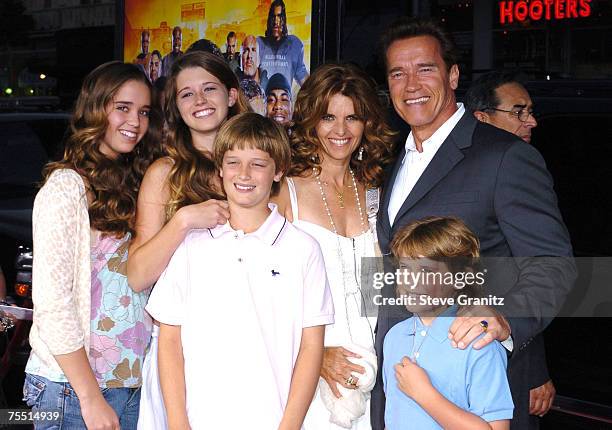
[
  {"x": 268, "y": 232},
  {"x": 440, "y": 135}
]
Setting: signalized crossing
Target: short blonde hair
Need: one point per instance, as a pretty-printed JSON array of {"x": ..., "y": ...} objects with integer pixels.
[
  {"x": 444, "y": 239},
  {"x": 252, "y": 131},
  {"x": 435, "y": 237}
]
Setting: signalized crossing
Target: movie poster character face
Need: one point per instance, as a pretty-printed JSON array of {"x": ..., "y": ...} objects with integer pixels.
[
  {"x": 277, "y": 21},
  {"x": 250, "y": 57},
  {"x": 177, "y": 39},
  {"x": 155, "y": 66},
  {"x": 145, "y": 38},
  {"x": 278, "y": 99},
  {"x": 231, "y": 45}
]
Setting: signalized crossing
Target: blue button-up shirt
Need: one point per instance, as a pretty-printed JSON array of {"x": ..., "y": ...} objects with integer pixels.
[{"x": 474, "y": 380}]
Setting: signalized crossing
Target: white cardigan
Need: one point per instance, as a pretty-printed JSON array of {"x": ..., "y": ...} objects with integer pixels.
[{"x": 61, "y": 273}]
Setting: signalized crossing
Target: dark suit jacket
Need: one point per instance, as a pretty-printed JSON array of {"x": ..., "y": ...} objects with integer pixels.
[{"x": 499, "y": 186}]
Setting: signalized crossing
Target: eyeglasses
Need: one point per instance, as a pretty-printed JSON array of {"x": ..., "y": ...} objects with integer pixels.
[{"x": 522, "y": 115}]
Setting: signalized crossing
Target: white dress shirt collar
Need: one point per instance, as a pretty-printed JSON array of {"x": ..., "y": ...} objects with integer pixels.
[
  {"x": 439, "y": 136},
  {"x": 415, "y": 163}
]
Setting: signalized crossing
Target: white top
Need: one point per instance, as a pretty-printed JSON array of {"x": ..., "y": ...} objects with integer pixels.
[
  {"x": 415, "y": 162},
  {"x": 242, "y": 301},
  {"x": 61, "y": 274},
  {"x": 344, "y": 266}
]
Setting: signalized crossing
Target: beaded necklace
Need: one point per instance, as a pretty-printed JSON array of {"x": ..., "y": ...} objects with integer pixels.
[
  {"x": 329, "y": 214},
  {"x": 340, "y": 255}
]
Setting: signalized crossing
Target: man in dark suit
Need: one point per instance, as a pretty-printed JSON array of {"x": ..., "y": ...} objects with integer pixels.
[
  {"x": 501, "y": 100},
  {"x": 496, "y": 183}
]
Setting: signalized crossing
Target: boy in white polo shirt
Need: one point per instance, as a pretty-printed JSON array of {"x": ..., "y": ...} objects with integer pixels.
[{"x": 243, "y": 306}]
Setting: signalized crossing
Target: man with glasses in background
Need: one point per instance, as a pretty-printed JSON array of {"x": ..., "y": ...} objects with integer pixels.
[{"x": 500, "y": 99}]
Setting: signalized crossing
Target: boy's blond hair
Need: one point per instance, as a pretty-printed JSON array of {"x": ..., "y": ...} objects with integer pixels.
[
  {"x": 435, "y": 237},
  {"x": 444, "y": 239},
  {"x": 252, "y": 131}
]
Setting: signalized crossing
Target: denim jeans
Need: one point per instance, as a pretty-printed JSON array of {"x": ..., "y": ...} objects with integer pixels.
[{"x": 47, "y": 396}]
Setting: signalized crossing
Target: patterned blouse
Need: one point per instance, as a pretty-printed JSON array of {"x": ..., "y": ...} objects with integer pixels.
[
  {"x": 64, "y": 297},
  {"x": 120, "y": 328}
]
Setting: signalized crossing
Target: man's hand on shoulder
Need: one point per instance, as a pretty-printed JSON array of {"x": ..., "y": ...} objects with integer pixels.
[{"x": 472, "y": 321}]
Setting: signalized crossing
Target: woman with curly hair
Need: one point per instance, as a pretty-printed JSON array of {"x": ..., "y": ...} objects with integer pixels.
[
  {"x": 340, "y": 146},
  {"x": 181, "y": 191},
  {"x": 90, "y": 330}
]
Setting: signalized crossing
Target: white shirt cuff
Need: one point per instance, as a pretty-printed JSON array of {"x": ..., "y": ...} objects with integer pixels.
[{"x": 508, "y": 344}]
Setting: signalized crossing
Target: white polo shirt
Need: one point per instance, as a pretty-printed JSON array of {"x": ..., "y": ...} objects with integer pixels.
[{"x": 241, "y": 301}]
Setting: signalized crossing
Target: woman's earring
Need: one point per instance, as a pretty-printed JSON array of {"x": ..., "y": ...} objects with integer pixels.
[{"x": 360, "y": 155}]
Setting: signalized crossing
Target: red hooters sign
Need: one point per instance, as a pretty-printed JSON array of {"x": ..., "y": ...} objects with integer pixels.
[{"x": 536, "y": 10}]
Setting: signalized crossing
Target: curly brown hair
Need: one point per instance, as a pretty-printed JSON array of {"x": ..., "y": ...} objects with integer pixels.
[
  {"x": 311, "y": 104},
  {"x": 114, "y": 183},
  {"x": 192, "y": 176}
]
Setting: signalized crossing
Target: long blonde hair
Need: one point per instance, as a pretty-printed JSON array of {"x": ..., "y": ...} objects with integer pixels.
[{"x": 114, "y": 183}]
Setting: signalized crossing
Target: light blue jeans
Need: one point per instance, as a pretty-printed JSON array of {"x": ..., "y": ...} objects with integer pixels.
[{"x": 47, "y": 396}]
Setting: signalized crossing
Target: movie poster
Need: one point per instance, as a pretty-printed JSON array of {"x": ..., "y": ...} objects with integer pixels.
[{"x": 266, "y": 42}]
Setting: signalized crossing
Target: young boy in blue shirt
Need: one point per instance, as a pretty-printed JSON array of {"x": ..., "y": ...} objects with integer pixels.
[
  {"x": 243, "y": 306},
  {"x": 428, "y": 383}
]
